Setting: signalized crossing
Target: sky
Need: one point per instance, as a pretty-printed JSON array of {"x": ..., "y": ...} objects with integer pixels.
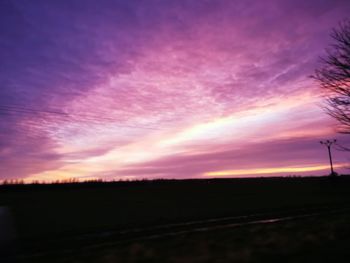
[{"x": 128, "y": 90}]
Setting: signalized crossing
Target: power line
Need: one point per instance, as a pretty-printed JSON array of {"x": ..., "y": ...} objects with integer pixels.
[
  {"x": 84, "y": 117},
  {"x": 6, "y": 107},
  {"x": 328, "y": 144}
]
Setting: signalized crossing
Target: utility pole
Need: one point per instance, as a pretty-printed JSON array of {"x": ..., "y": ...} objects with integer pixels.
[{"x": 329, "y": 143}]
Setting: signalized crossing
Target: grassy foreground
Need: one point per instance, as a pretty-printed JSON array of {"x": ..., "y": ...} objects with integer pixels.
[
  {"x": 42, "y": 211},
  {"x": 49, "y": 212},
  {"x": 325, "y": 239}
]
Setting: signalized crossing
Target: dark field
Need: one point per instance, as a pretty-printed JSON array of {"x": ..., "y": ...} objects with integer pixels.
[
  {"x": 325, "y": 239},
  {"x": 48, "y": 217}
]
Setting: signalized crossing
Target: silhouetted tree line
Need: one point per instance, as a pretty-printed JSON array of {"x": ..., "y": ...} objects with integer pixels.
[
  {"x": 13, "y": 181},
  {"x": 64, "y": 181}
]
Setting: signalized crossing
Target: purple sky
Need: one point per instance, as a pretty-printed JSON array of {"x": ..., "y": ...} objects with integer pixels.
[{"x": 163, "y": 89}]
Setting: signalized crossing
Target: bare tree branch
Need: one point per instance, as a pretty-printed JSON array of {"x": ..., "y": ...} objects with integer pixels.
[{"x": 333, "y": 76}]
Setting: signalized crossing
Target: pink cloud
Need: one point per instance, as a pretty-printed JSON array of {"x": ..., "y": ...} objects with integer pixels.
[{"x": 171, "y": 89}]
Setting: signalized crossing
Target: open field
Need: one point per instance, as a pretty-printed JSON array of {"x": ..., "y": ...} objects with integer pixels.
[
  {"x": 314, "y": 239},
  {"x": 45, "y": 213}
]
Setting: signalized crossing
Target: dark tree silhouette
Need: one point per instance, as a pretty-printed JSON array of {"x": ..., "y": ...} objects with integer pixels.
[{"x": 333, "y": 76}]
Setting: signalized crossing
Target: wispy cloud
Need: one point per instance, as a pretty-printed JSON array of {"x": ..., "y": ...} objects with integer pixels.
[{"x": 141, "y": 84}]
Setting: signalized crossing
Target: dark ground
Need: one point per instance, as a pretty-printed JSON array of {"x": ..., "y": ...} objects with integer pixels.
[
  {"x": 325, "y": 239},
  {"x": 43, "y": 213}
]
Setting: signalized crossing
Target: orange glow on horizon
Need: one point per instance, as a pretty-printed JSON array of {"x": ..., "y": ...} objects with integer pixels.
[{"x": 272, "y": 170}]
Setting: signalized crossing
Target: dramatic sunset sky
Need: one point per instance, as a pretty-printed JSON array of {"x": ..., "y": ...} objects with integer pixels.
[{"x": 126, "y": 89}]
